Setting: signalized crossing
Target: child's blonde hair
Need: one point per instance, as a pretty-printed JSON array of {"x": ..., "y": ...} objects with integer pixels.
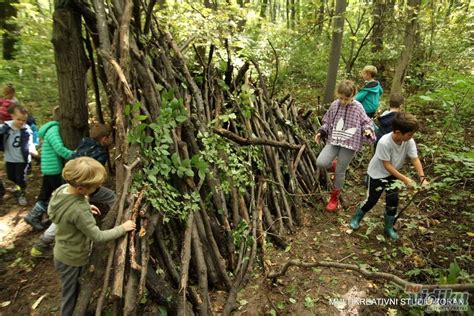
[
  {"x": 9, "y": 90},
  {"x": 371, "y": 70},
  {"x": 98, "y": 130},
  {"x": 346, "y": 88},
  {"x": 55, "y": 113},
  {"x": 84, "y": 172}
]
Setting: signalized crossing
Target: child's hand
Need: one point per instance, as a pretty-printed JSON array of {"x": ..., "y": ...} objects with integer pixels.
[
  {"x": 317, "y": 138},
  {"x": 95, "y": 210},
  {"x": 425, "y": 183},
  {"x": 409, "y": 183},
  {"x": 129, "y": 225},
  {"x": 369, "y": 133}
]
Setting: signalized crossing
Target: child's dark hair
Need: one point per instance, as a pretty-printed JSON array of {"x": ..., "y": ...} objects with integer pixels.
[
  {"x": 346, "y": 88},
  {"x": 98, "y": 130},
  {"x": 396, "y": 100},
  {"x": 17, "y": 107},
  {"x": 405, "y": 123}
]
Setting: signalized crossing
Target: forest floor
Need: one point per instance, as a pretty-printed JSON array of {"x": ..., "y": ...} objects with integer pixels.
[{"x": 431, "y": 239}]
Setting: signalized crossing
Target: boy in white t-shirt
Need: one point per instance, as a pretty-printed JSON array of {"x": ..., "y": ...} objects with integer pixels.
[{"x": 391, "y": 152}]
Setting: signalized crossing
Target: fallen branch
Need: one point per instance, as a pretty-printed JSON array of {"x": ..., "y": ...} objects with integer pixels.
[
  {"x": 414, "y": 287},
  {"x": 253, "y": 140}
]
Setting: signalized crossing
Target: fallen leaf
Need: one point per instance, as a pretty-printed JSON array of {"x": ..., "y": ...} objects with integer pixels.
[
  {"x": 38, "y": 301},
  {"x": 470, "y": 234},
  {"x": 5, "y": 304}
]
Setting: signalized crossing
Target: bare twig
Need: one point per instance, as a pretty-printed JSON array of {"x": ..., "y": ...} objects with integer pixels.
[{"x": 371, "y": 275}]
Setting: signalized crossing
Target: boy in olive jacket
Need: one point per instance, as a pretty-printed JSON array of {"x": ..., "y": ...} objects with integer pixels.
[{"x": 70, "y": 210}]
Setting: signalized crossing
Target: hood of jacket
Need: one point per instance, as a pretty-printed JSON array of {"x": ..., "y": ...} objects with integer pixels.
[
  {"x": 44, "y": 129},
  {"x": 374, "y": 86},
  {"x": 59, "y": 208}
]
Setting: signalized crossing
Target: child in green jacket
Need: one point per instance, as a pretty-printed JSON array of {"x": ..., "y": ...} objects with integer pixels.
[
  {"x": 70, "y": 210},
  {"x": 370, "y": 94},
  {"x": 53, "y": 154}
]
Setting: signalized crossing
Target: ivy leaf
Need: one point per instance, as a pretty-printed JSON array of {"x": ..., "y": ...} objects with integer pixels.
[
  {"x": 454, "y": 272},
  {"x": 181, "y": 118},
  {"x": 426, "y": 98}
]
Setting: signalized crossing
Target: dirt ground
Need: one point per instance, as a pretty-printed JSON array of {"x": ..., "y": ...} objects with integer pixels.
[
  {"x": 430, "y": 241},
  {"x": 24, "y": 280}
]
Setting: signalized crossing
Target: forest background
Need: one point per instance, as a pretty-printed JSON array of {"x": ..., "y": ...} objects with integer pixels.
[{"x": 422, "y": 48}]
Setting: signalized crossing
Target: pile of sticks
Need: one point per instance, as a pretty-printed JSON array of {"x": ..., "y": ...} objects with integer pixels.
[{"x": 176, "y": 263}]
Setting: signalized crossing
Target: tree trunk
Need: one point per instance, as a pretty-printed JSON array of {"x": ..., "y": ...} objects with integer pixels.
[
  {"x": 71, "y": 68},
  {"x": 10, "y": 29},
  {"x": 335, "y": 54},
  {"x": 320, "y": 19},
  {"x": 263, "y": 9},
  {"x": 377, "y": 35},
  {"x": 408, "y": 44}
]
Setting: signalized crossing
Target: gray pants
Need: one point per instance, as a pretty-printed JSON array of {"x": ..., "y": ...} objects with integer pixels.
[
  {"x": 344, "y": 157},
  {"x": 102, "y": 195},
  {"x": 70, "y": 286}
]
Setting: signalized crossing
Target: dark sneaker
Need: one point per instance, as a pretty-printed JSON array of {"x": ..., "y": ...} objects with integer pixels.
[
  {"x": 22, "y": 200},
  {"x": 42, "y": 249},
  {"x": 34, "y": 222},
  {"x": 37, "y": 252}
]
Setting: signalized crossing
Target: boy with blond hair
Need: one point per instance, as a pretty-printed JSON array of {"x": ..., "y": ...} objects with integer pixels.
[
  {"x": 370, "y": 94},
  {"x": 70, "y": 210},
  {"x": 383, "y": 171},
  {"x": 95, "y": 147}
]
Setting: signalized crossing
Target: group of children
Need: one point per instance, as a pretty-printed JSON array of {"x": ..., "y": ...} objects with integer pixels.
[
  {"x": 347, "y": 125},
  {"x": 69, "y": 192}
]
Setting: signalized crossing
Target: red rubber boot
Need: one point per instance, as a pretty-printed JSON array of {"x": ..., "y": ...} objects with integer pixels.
[{"x": 333, "y": 201}]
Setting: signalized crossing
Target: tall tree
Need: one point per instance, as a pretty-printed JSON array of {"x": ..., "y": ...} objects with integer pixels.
[
  {"x": 335, "y": 53},
  {"x": 382, "y": 11},
  {"x": 8, "y": 13},
  {"x": 71, "y": 68},
  {"x": 319, "y": 17},
  {"x": 408, "y": 45}
]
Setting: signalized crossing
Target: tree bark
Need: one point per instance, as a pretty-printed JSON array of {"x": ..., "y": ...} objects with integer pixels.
[
  {"x": 408, "y": 46},
  {"x": 335, "y": 54},
  {"x": 71, "y": 68},
  {"x": 8, "y": 12}
]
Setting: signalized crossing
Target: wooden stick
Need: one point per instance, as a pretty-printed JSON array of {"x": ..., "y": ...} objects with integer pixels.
[
  {"x": 253, "y": 140},
  {"x": 371, "y": 275}
]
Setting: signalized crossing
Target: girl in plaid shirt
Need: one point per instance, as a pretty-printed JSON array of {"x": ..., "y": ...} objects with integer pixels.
[{"x": 345, "y": 128}]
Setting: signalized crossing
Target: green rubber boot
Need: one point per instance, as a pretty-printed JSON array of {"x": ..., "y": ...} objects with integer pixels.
[
  {"x": 389, "y": 230},
  {"x": 355, "y": 221}
]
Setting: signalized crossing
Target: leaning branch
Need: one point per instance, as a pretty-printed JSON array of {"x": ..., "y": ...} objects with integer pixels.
[
  {"x": 253, "y": 140},
  {"x": 413, "y": 287}
]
